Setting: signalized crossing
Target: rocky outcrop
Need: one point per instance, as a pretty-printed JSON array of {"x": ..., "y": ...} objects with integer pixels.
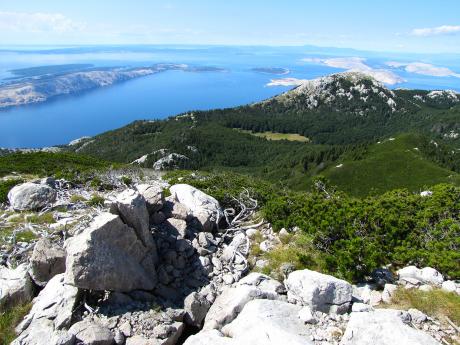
[
  {"x": 383, "y": 327},
  {"x": 51, "y": 312},
  {"x": 15, "y": 286},
  {"x": 199, "y": 205},
  {"x": 110, "y": 255},
  {"x": 319, "y": 291},
  {"x": 31, "y": 196},
  {"x": 48, "y": 260},
  {"x": 196, "y": 307}
]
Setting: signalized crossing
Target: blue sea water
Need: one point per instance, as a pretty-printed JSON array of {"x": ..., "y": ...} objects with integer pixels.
[{"x": 160, "y": 95}]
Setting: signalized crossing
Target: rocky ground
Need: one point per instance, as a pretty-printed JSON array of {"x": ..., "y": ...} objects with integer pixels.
[{"x": 143, "y": 268}]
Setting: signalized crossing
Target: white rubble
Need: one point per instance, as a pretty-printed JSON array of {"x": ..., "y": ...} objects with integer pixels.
[{"x": 426, "y": 275}]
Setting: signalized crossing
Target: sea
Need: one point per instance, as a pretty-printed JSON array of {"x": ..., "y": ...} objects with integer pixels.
[{"x": 242, "y": 78}]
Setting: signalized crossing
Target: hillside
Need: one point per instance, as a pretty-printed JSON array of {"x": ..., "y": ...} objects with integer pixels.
[{"x": 342, "y": 115}]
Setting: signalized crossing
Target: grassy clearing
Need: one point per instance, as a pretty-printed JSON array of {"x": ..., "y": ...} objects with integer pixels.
[
  {"x": 278, "y": 136},
  {"x": 436, "y": 303},
  {"x": 9, "y": 319},
  {"x": 389, "y": 165}
]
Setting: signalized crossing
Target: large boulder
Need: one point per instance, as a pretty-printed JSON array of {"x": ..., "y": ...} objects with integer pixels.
[
  {"x": 319, "y": 291},
  {"x": 110, "y": 255},
  {"x": 15, "y": 286},
  {"x": 382, "y": 327},
  {"x": 264, "y": 283},
  {"x": 203, "y": 207},
  {"x": 153, "y": 195},
  {"x": 265, "y": 322},
  {"x": 48, "y": 259},
  {"x": 229, "y": 304},
  {"x": 92, "y": 333},
  {"x": 31, "y": 196},
  {"x": 51, "y": 312},
  {"x": 426, "y": 275}
]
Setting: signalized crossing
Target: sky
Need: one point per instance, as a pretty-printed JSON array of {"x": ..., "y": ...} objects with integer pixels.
[{"x": 418, "y": 26}]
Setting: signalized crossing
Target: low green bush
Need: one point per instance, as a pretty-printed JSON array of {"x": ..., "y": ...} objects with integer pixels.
[{"x": 5, "y": 187}]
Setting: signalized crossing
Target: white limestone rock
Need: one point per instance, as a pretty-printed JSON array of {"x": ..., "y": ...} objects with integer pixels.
[
  {"x": 31, "y": 196},
  {"x": 48, "y": 260},
  {"x": 426, "y": 275},
  {"x": 15, "y": 286},
  {"x": 319, "y": 291}
]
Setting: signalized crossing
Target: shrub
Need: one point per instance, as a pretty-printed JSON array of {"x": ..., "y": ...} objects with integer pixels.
[{"x": 5, "y": 187}]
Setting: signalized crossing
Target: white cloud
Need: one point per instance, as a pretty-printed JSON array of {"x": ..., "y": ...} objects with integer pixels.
[
  {"x": 424, "y": 69},
  {"x": 356, "y": 64},
  {"x": 439, "y": 30},
  {"x": 38, "y": 22}
]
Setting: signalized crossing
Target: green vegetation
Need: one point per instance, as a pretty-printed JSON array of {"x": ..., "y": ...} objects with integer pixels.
[
  {"x": 66, "y": 164},
  {"x": 436, "y": 303},
  {"x": 77, "y": 198},
  {"x": 347, "y": 236},
  {"x": 9, "y": 319},
  {"x": 5, "y": 187},
  {"x": 393, "y": 163},
  {"x": 96, "y": 200},
  {"x": 45, "y": 218},
  {"x": 278, "y": 136}
]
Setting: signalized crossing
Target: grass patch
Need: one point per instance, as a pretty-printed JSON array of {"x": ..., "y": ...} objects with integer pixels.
[
  {"x": 9, "y": 319},
  {"x": 436, "y": 303},
  {"x": 46, "y": 218},
  {"x": 76, "y": 198},
  {"x": 25, "y": 236},
  {"x": 277, "y": 136},
  {"x": 96, "y": 200}
]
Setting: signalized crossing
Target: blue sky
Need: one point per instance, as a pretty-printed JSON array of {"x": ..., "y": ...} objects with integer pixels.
[{"x": 427, "y": 26}]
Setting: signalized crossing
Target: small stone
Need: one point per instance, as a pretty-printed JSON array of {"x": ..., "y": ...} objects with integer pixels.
[{"x": 306, "y": 315}]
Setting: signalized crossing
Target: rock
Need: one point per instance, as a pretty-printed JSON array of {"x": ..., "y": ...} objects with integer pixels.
[
  {"x": 119, "y": 337},
  {"x": 362, "y": 293},
  {"x": 15, "y": 286},
  {"x": 265, "y": 322},
  {"x": 196, "y": 307},
  {"x": 48, "y": 259},
  {"x": 31, "y": 196},
  {"x": 451, "y": 286},
  {"x": 283, "y": 233},
  {"x": 306, "y": 316},
  {"x": 266, "y": 246},
  {"x": 177, "y": 227},
  {"x": 229, "y": 303},
  {"x": 153, "y": 195},
  {"x": 92, "y": 333},
  {"x": 376, "y": 298},
  {"x": 228, "y": 279},
  {"x": 425, "y": 287},
  {"x": 382, "y": 327},
  {"x": 426, "y": 275},
  {"x": 417, "y": 316},
  {"x": 109, "y": 255},
  {"x": 361, "y": 307},
  {"x": 388, "y": 292},
  {"x": 140, "y": 340},
  {"x": 132, "y": 209},
  {"x": 266, "y": 284},
  {"x": 211, "y": 337},
  {"x": 200, "y": 205},
  {"x": 51, "y": 311},
  {"x": 319, "y": 291}
]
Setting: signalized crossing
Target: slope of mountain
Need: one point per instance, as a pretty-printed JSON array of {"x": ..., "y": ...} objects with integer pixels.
[
  {"x": 343, "y": 115},
  {"x": 59, "y": 80}
]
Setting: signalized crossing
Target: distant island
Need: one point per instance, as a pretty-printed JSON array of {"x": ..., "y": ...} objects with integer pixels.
[
  {"x": 271, "y": 70},
  {"x": 39, "y": 84}
]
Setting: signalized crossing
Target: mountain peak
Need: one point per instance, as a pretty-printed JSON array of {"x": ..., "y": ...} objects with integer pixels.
[{"x": 347, "y": 91}]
